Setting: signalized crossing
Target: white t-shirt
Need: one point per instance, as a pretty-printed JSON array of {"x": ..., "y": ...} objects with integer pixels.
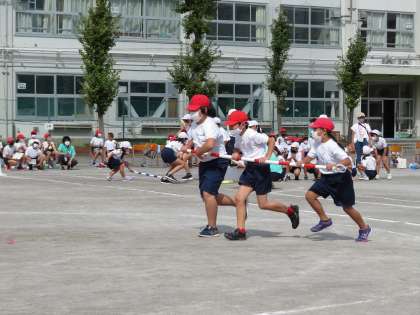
[
  {"x": 327, "y": 152},
  {"x": 109, "y": 145},
  {"x": 117, "y": 154},
  {"x": 304, "y": 147},
  {"x": 174, "y": 145},
  {"x": 8, "y": 151},
  {"x": 380, "y": 144},
  {"x": 97, "y": 142},
  {"x": 361, "y": 132},
  {"x": 32, "y": 153},
  {"x": 21, "y": 146},
  {"x": 252, "y": 144},
  {"x": 200, "y": 133},
  {"x": 296, "y": 157},
  {"x": 369, "y": 162},
  {"x": 225, "y": 134}
]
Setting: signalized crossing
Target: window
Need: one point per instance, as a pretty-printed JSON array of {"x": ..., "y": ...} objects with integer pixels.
[
  {"x": 313, "y": 26},
  {"x": 148, "y": 19},
  {"x": 50, "y": 97},
  {"x": 238, "y": 22},
  {"x": 246, "y": 97},
  {"x": 312, "y": 98},
  {"x": 139, "y": 99},
  {"x": 387, "y": 30}
]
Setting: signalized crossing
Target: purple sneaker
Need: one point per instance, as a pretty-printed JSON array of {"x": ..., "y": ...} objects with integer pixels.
[
  {"x": 321, "y": 225},
  {"x": 363, "y": 235}
]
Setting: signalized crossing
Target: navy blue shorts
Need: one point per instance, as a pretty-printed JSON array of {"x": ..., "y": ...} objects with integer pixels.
[
  {"x": 211, "y": 175},
  {"x": 258, "y": 177},
  {"x": 114, "y": 164},
  {"x": 338, "y": 186},
  {"x": 371, "y": 174},
  {"x": 168, "y": 155}
]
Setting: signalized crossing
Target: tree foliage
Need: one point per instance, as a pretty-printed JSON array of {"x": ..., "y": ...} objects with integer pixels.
[
  {"x": 98, "y": 32},
  {"x": 278, "y": 80},
  {"x": 350, "y": 79},
  {"x": 190, "y": 72}
]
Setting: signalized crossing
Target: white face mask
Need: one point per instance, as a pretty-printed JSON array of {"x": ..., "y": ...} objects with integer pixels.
[
  {"x": 35, "y": 146},
  {"x": 196, "y": 116},
  {"x": 67, "y": 143},
  {"x": 289, "y": 142},
  {"x": 235, "y": 132},
  {"x": 317, "y": 138},
  {"x": 305, "y": 142}
]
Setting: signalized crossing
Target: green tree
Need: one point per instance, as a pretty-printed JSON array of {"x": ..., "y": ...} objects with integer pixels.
[
  {"x": 98, "y": 32},
  {"x": 190, "y": 72},
  {"x": 350, "y": 79},
  {"x": 278, "y": 80}
]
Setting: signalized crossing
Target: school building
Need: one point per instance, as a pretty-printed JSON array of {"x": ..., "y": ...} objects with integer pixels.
[{"x": 40, "y": 65}]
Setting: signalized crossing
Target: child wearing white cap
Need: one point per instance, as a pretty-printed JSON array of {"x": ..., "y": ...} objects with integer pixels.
[
  {"x": 294, "y": 157},
  {"x": 368, "y": 164}
]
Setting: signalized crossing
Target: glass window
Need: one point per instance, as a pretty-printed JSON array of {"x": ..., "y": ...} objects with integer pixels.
[
  {"x": 25, "y": 106},
  {"x": 243, "y": 89},
  {"x": 79, "y": 85},
  {"x": 139, "y": 105},
  {"x": 225, "y": 11},
  {"x": 317, "y": 108},
  {"x": 138, "y": 87},
  {"x": 25, "y": 84},
  {"x": 65, "y": 106},
  {"x": 315, "y": 26},
  {"x": 301, "y": 16},
  {"x": 375, "y": 108},
  {"x": 239, "y": 22},
  {"x": 301, "y": 89},
  {"x": 82, "y": 109},
  {"x": 301, "y": 109},
  {"x": 407, "y": 90},
  {"x": 157, "y": 88},
  {"x": 154, "y": 104},
  {"x": 44, "y": 84},
  {"x": 45, "y": 107},
  {"x": 226, "y": 88},
  {"x": 122, "y": 106},
  {"x": 392, "y": 21},
  {"x": 65, "y": 84},
  {"x": 317, "y": 89},
  {"x": 246, "y": 97},
  {"x": 288, "y": 110}
]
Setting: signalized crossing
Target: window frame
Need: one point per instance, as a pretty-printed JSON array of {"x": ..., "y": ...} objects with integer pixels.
[
  {"x": 309, "y": 27},
  {"x": 386, "y": 31},
  {"x": 234, "y": 22},
  {"x": 55, "y": 96}
]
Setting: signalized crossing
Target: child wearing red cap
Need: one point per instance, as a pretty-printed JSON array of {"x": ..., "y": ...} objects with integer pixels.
[
  {"x": 11, "y": 157},
  {"x": 256, "y": 176},
  {"x": 338, "y": 185},
  {"x": 206, "y": 137},
  {"x": 49, "y": 150}
]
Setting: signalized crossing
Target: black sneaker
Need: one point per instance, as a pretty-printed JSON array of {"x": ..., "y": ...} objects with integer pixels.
[
  {"x": 171, "y": 179},
  {"x": 209, "y": 231},
  {"x": 188, "y": 176},
  {"x": 164, "y": 180},
  {"x": 294, "y": 217},
  {"x": 236, "y": 235}
]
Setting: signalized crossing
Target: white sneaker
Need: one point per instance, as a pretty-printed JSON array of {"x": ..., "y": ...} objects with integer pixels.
[
  {"x": 109, "y": 178},
  {"x": 128, "y": 178},
  {"x": 377, "y": 177},
  {"x": 389, "y": 176}
]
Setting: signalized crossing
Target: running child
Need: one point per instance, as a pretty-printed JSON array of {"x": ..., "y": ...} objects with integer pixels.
[
  {"x": 368, "y": 164},
  {"x": 335, "y": 184},
  {"x": 97, "y": 149},
  {"x": 206, "y": 138},
  {"x": 256, "y": 176},
  {"x": 382, "y": 152},
  {"x": 172, "y": 155}
]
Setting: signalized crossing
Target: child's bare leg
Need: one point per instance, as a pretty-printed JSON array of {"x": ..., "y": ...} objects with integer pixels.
[
  {"x": 312, "y": 199},
  {"x": 356, "y": 216}
]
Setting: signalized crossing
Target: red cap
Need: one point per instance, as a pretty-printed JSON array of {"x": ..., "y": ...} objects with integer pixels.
[
  {"x": 198, "y": 101},
  {"x": 323, "y": 123},
  {"x": 10, "y": 140},
  {"x": 34, "y": 132},
  {"x": 97, "y": 132},
  {"x": 46, "y": 135},
  {"x": 20, "y": 136},
  {"x": 283, "y": 129},
  {"x": 236, "y": 117},
  {"x": 171, "y": 137}
]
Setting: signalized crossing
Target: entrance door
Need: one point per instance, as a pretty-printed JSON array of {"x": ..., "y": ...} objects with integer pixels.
[{"x": 389, "y": 119}]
